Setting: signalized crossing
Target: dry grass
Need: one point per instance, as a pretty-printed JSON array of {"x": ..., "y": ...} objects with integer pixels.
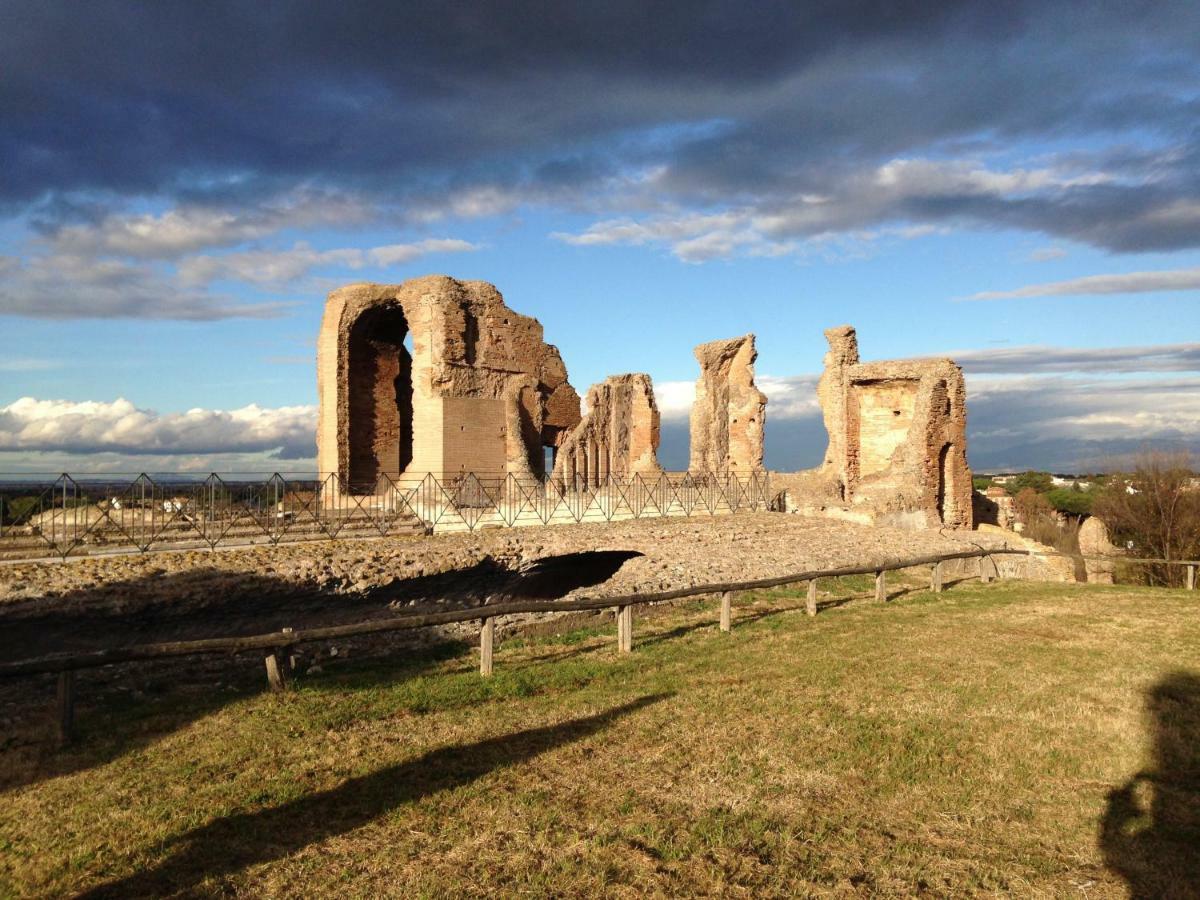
[{"x": 964, "y": 744}]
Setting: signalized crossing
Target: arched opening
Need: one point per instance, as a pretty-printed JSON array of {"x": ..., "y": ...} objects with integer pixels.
[
  {"x": 380, "y": 402},
  {"x": 945, "y": 492}
]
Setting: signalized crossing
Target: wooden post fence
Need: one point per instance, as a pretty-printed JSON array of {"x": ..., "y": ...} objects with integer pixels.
[
  {"x": 487, "y": 637},
  {"x": 276, "y": 673},
  {"x": 624, "y": 629},
  {"x": 277, "y": 662},
  {"x": 985, "y": 569},
  {"x": 935, "y": 579},
  {"x": 1191, "y": 578},
  {"x": 278, "y": 647}
]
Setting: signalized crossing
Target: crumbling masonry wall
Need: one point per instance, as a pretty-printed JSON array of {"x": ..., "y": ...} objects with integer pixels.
[
  {"x": 618, "y": 437},
  {"x": 479, "y": 391},
  {"x": 729, "y": 412},
  {"x": 897, "y": 441}
]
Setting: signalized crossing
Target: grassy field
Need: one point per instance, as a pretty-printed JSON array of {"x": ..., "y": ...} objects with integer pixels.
[{"x": 1012, "y": 739}]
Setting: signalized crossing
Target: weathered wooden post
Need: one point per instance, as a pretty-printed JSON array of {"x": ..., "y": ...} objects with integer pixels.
[
  {"x": 1191, "y": 578},
  {"x": 487, "y": 638},
  {"x": 276, "y": 662},
  {"x": 880, "y": 586},
  {"x": 624, "y": 629},
  {"x": 985, "y": 569},
  {"x": 810, "y": 605},
  {"x": 726, "y": 610},
  {"x": 66, "y": 707},
  {"x": 935, "y": 580}
]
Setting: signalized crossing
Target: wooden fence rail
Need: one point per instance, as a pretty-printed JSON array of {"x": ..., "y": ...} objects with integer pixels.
[
  {"x": 277, "y": 645},
  {"x": 288, "y": 637}
]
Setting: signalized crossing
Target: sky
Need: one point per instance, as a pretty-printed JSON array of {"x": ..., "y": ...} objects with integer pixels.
[{"x": 1014, "y": 185}]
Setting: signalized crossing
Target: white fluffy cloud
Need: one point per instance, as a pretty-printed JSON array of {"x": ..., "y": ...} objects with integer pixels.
[
  {"x": 188, "y": 229},
  {"x": 1027, "y": 360},
  {"x": 151, "y": 265},
  {"x": 60, "y": 286},
  {"x": 61, "y": 426}
]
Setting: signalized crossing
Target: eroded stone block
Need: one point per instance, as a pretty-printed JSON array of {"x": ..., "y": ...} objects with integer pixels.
[
  {"x": 729, "y": 412},
  {"x": 1094, "y": 541}
]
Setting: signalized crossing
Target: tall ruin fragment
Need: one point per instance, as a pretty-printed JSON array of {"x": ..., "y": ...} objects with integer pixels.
[
  {"x": 729, "y": 412},
  {"x": 897, "y": 441},
  {"x": 435, "y": 376},
  {"x": 618, "y": 437}
]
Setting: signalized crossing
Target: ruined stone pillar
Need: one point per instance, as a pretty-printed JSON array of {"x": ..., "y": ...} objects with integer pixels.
[
  {"x": 729, "y": 412},
  {"x": 619, "y": 435}
]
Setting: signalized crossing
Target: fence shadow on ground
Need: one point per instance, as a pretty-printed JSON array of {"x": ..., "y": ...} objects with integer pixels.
[
  {"x": 1150, "y": 831},
  {"x": 228, "y": 845},
  {"x": 173, "y": 692}
]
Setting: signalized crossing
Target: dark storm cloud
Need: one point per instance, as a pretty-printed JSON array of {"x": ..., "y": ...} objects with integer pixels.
[
  {"x": 734, "y": 105},
  {"x": 130, "y": 96}
]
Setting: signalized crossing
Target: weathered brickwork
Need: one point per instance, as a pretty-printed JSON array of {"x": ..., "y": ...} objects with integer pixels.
[
  {"x": 476, "y": 390},
  {"x": 618, "y": 436},
  {"x": 897, "y": 441},
  {"x": 729, "y": 412}
]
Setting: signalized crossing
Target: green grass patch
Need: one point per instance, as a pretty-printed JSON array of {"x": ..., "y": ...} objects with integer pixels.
[{"x": 1015, "y": 738}]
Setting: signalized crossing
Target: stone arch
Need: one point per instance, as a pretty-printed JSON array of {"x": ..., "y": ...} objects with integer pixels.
[
  {"x": 434, "y": 377},
  {"x": 380, "y": 397}
]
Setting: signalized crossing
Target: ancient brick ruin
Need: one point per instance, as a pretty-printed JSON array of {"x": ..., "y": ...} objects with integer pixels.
[
  {"x": 435, "y": 376},
  {"x": 897, "y": 441},
  {"x": 618, "y": 437},
  {"x": 729, "y": 412}
]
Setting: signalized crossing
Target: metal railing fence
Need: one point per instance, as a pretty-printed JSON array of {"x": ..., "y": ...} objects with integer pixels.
[{"x": 86, "y": 515}]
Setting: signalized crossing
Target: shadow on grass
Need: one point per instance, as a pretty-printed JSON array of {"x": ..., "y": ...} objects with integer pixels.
[
  {"x": 205, "y": 603},
  {"x": 228, "y": 845},
  {"x": 1150, "y": 832},
  {"x": 136, "y": 707}
]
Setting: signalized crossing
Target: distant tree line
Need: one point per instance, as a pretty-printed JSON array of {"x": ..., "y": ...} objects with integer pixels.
[
  {"x": 1075, "y": 499},
  {"x": 1152, "y": 510}
]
